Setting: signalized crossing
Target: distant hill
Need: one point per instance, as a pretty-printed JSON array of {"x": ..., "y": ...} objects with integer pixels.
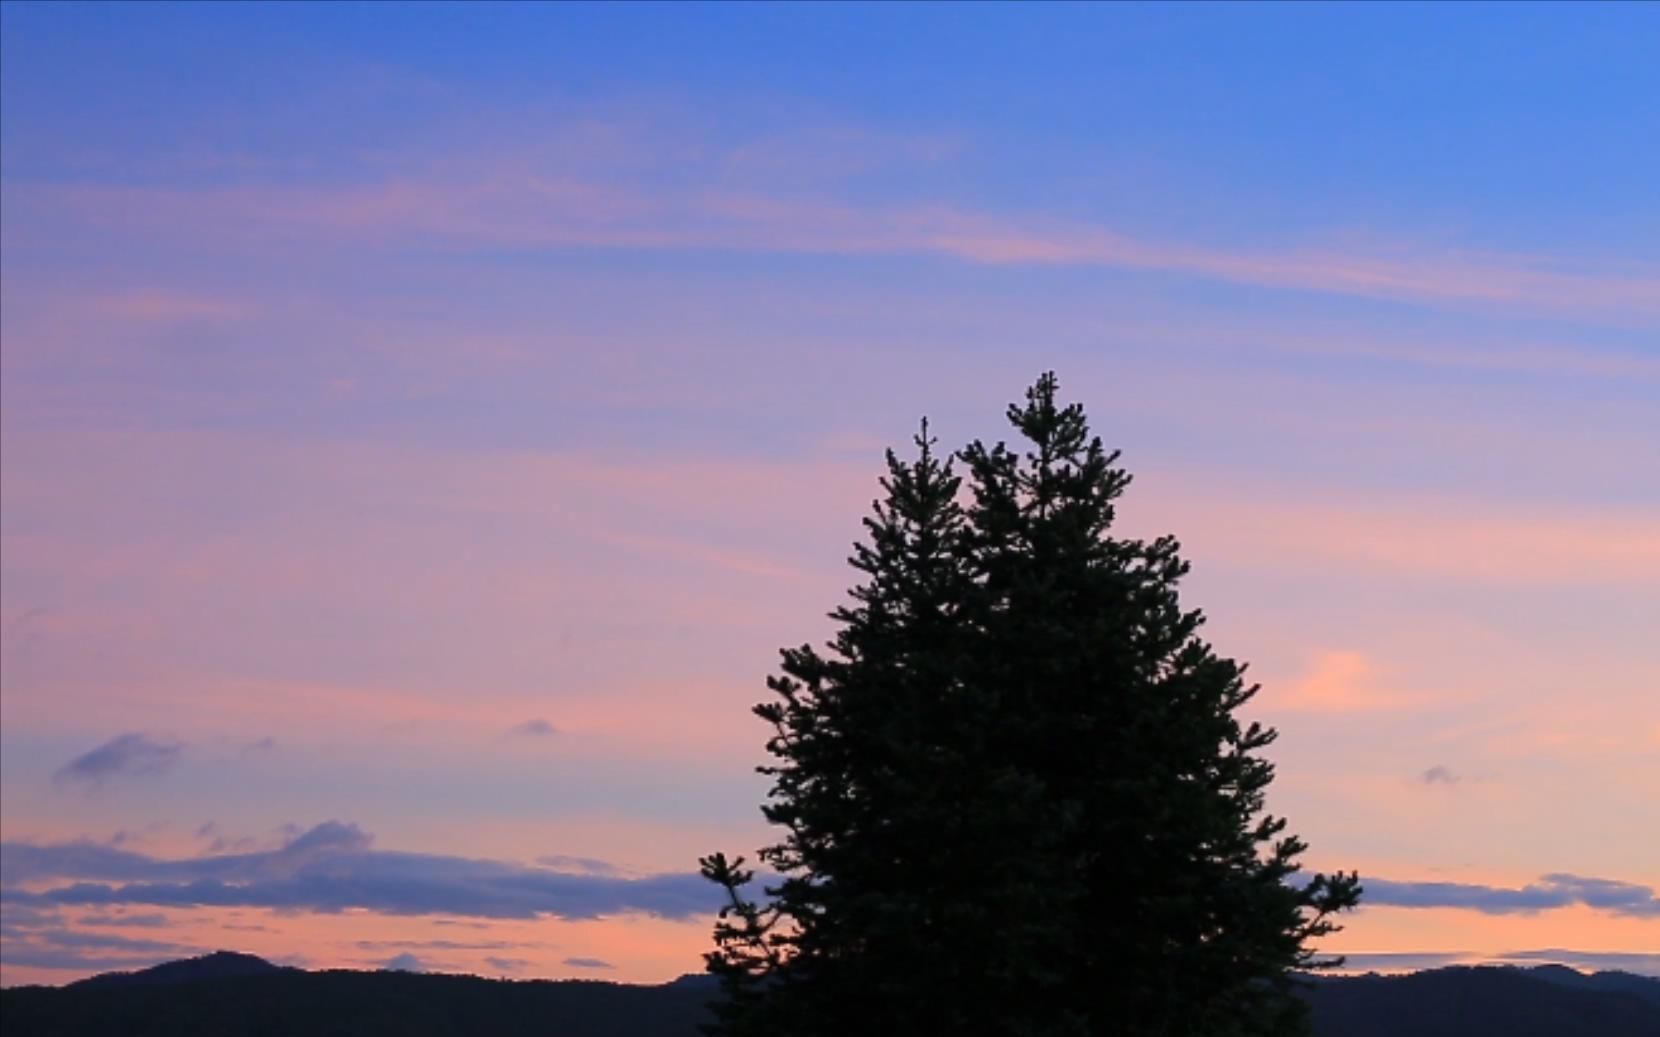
[
  {"x": 218, "y": 965},
  {"x": 1488, "y": 1000},
  {"x": 238, "y": 994},
  {"x": 1644, "y": 987}
]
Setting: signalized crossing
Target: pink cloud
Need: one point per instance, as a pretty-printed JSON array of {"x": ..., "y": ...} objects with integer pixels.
[
  {"x": 1420, "y": 533},
  {"x": 509, "y": 203},
  {"x": 1338, "y": 682}
]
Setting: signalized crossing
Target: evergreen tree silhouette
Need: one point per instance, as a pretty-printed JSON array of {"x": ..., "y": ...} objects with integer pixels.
[{"x": 1015, "y": 795}]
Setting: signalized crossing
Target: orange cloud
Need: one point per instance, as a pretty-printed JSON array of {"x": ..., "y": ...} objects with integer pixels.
[{"x": 1338, "y": 682}]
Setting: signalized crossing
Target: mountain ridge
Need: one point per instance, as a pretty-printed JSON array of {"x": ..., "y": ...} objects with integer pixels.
[
  {"x": 217, "y": 965},
  {"x": 231, "y": 993}
]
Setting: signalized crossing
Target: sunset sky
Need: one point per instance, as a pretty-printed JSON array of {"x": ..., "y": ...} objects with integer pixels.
[{"x": 423, "y": 425}]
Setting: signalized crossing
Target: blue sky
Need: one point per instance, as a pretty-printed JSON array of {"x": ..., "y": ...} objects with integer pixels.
[
  {"x": 430, "y": 420},
  {"x": 1303, "y": 114}
]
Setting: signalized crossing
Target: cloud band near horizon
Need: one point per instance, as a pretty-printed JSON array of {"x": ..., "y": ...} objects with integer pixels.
[{"x": 332, "y": 867}]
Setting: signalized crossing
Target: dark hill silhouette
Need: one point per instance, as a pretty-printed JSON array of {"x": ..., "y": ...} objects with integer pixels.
[
  {"x": 238, "y": 994},
  {"x": 1488, "y": 1000},
  {"x": 218, "y": 965},
  {"x": 234, "y": 994},
  {"x": 1643, "y": 986}
]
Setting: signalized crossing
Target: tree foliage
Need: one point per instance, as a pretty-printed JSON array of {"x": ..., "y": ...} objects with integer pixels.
[{"x": 1014, "y": 794}]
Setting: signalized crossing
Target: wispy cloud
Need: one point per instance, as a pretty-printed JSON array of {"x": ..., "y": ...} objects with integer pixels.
[
  {"x": 435, "y": 945},
  {"x": 331, "y": 868},
  {"x": 1549, "y": 892},
  {"x": 36, "y": 940},
  {"x": 560, "y": 862},
  {"x": 38, "y": 956},
  {"x": 588, "y": 963},
  {"x": 146, "y": 921},
  {"x": 1441, "y": 535},
  {"x": 537, "y": 728},
  {"x": 1438, "y": 775},
  {"x": 219, "y": 842},
  {"x": 523, "y": 197},
  {"x": 1337, "y": 682},
  {"x": 84, "y": 940},
  {"x": 129, "y": 755}
]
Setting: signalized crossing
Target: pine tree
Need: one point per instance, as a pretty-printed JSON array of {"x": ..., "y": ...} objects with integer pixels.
[
  {"x": 864, "y": 783},
  {"x": 1016, "y": 796}
]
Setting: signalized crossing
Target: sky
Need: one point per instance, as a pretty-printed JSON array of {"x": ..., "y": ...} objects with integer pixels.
[{"x": 421, "y": 426}]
